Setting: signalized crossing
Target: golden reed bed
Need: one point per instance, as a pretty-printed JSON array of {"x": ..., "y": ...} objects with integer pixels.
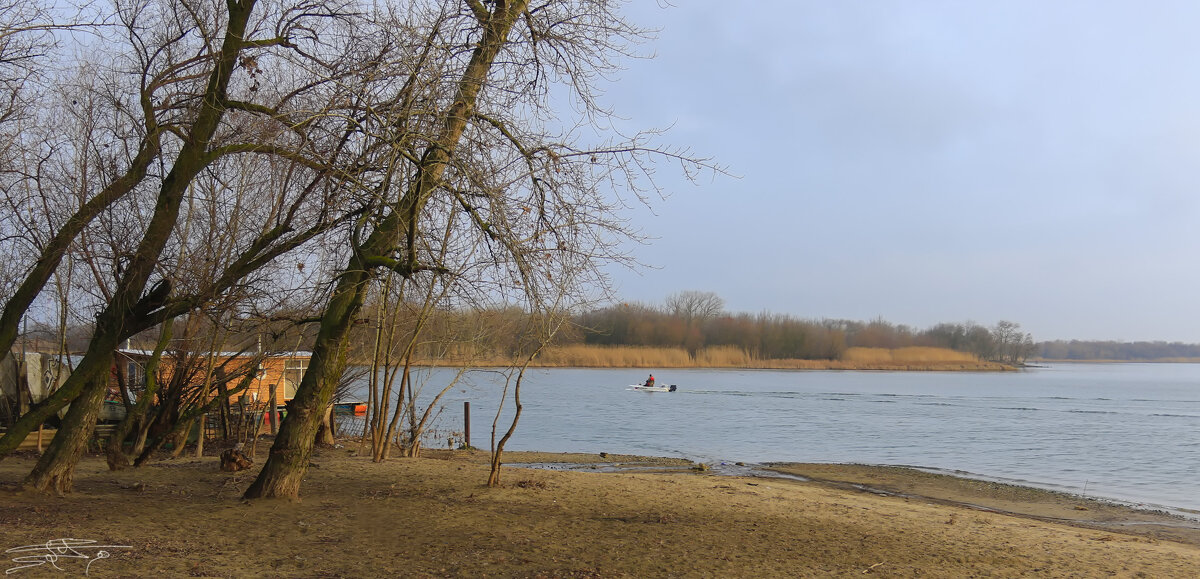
[{"x": 910, "y": 358}]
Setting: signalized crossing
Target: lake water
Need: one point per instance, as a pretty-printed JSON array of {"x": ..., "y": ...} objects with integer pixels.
[{"x": 1124, "y": 431}]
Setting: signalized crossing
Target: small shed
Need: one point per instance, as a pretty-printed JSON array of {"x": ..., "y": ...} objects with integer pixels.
[
  {"x": 27, "y": 378},
  {"x": 272, "y": 372}
]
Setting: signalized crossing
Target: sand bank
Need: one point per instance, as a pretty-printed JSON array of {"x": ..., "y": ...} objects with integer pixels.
[{"x": 432, "y": 517}]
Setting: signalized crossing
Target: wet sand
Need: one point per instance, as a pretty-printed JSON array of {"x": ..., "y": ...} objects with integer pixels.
[
  {"x": 1015, "y": 500},
  {"x": 433, "y": 517}
]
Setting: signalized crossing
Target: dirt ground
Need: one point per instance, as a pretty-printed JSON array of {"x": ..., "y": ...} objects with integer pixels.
[{"x": 433, "y": 517}]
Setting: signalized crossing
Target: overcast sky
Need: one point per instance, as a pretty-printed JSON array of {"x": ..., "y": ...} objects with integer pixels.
[{"x": 929, "y": 161}]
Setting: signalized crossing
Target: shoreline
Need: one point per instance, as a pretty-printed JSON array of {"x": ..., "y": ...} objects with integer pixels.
[
  {"x": 1155, "y": 521},
  {"x": 433, "y": 517},
  {"x": 915, "y": 483}
]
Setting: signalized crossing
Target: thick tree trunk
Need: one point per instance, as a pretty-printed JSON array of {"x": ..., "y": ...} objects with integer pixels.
[
  {"x": 139, "y": 441},
  {"x": 114, "y": 451},
  {"x": 54, "y": 471},
  {"x": 288, "y": 459}
]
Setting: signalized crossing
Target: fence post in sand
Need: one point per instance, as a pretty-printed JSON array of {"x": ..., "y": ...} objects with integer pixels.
[{"x": 467, "y": 424}]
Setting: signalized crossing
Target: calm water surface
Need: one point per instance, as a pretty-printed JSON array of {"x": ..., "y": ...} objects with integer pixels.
[{"x": 1123, "y": 431}]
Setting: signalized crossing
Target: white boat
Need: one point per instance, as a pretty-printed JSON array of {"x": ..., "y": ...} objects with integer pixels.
[{"x": 645, "y": 388}]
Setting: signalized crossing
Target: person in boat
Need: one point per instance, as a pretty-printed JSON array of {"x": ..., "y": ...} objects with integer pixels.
[{"x": 650, "y": 381}]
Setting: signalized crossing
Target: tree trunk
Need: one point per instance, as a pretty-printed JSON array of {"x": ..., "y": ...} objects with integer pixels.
[
  {"x": 135, "y": 416},
  {"x": 179, "y": 439},
  {"x": 288, "y": 459},
  {"x": 179, "y": 429},
  {"x": 223, "y": 405},
  {"x": 392, "y": 433},
  {"x": 273, "y": 414},
  {"x": 54, "y": 471},
  {"x": 114, "y": 451},
  {"x": 498, "y": 450},
  {"x": 498, "y": 447},
  {"x": 139, "y": 441},
  {"x": 325, "y": 430}
]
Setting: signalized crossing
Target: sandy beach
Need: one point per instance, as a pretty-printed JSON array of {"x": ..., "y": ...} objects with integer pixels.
[{"x": 433, "y": 517}]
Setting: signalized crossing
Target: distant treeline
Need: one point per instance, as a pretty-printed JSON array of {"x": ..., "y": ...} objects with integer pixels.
[
  {"x": 696, "y": 320},
  {"x": 1128, "y": 351}
]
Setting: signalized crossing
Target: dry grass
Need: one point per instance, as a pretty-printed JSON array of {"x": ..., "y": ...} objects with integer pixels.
[
  {"x": 723, "y": 357},
  {"x": 793, "y": 364},
  {"x": 911, "y": 358},
  {"x": 581, "y": 356},
  {"x": 909, "y": 355},
  {"x": 584, "y": 356}
]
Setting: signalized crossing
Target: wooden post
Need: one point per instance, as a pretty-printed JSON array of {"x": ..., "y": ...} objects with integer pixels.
[
  {"x": 200, "y": 439},
  {"x": 40, "y": 448},
  {"x": 271, "y": 409},
  {"x": 467, "y": 424},
  {"x": 224, "y": 406},
  {"x": 244, "y": 420}
]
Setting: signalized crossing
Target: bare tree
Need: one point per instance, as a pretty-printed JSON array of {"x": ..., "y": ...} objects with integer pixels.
[
  {"x": 88, "y": 382},
  {"x": 283, "y": 471},
  {"x": 534, "y": 200},
  {"x": 289, "y": 129},
  {"x": 422, "y": 136},
  {"x": 547, "y": 320},
  {"x": 695, "y": 305},
  {"x": 1012, "y": 345},
  {"x": 401, "y": 318}
]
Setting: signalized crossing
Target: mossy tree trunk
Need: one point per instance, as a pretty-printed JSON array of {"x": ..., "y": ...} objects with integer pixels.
[
  {"x": 288, "y": 460},
  {"x": 55, "y": 469}
]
